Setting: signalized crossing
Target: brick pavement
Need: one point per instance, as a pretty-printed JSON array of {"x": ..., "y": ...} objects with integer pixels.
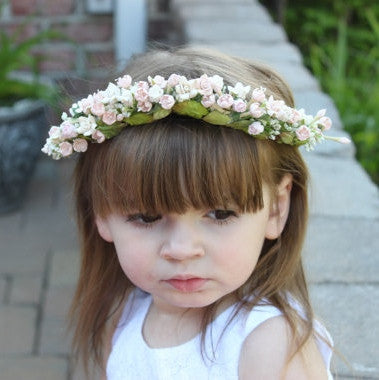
[{"x": 38, "y": 246}]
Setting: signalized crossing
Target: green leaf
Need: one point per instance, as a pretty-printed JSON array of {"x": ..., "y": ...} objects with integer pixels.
[
  {"x": 241, "y": 124},
  {"x": 110, "y": 131},
  {"x": 190, "y": 108},
  {"x": 139, "y": 118},
  {"x": 217, "y": 118},
  {"x": 161, "y": 113},
  {"x": 287, "y": 138}
]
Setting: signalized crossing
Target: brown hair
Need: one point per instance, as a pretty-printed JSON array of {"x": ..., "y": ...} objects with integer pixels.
[{"x": 178, "y": 162}]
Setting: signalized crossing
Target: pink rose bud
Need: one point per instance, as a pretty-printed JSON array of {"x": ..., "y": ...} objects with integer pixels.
[
  {"x": 109, "y": 117},
  {"x": 205, "y": 85},
  {"x": 225, "y": 101},
  {"x": 68, "y": 130},
  {"x": 141, "y": 95},
  {"x": 255, "y": 128},
  {"x": 343, "y": 140},
  {"x": 239, "y": 105},
  {"x": 326, "y": 122},
  {"x": 173, "y": 80},
  {"x": 144, "y": 106},
  {"x": 259, "y": 94},
  {"x": 124, "y": 81},
  {"x": 120, "y": 117},
  {"x": 256, "y": 110},
  {"x": 303, "y": 133},
  {"x": 143, "y": 84},
  {"x": 167, "y": 102},
  {"x": 80, "y": 145},
  {"x": 321, "y": 113},
  {"x": 65, "y": 148},
  {"x": 98, "y": 109},
  {"x": 98, "y": 136},
  {"x": 160, "y": 81},
  {"x": 208, "y": 101}
]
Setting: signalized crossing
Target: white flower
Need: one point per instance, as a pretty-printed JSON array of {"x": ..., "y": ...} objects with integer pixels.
[
  {"x": 158, "y": 80},
  {"x": 47, "y": 148},
  {"x": 185, "y": 89},
  {"x": 86, "y": 125},
  {"x": 155, "y": 93},
  {"x": 320, "y": 113},
  {"x": 124, "y": 81},
  {"x": 110, "y": 93},
  {"x": 259, "y": 94},
  {"x": 55, "y": 133},
  {"x": 239, "y": 90},
  {"x": 217, "y": 83},
  {"x": 126, "y": 98}
]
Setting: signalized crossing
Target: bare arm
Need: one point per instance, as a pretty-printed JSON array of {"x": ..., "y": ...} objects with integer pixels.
[{"x": 267, "y": 349}]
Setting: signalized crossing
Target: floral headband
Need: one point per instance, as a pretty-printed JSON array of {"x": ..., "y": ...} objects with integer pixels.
[{"x": 104, "y": 114}]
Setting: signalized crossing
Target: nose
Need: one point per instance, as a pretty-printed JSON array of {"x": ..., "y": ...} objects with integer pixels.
[{"x": 182, "y": 242}]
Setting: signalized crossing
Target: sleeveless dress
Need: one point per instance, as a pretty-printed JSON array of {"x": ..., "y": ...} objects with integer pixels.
[{"x": 132, "y": 359}]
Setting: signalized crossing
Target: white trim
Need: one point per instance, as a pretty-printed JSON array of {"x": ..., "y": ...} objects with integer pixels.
[{"x": 130, "y": 29}]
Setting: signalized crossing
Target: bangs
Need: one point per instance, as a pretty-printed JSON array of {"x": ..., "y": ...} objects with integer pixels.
[{"x": 173, "y": 165}]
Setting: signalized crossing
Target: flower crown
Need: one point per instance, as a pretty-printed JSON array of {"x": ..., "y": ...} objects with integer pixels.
[{"x": 104, "y": 114}]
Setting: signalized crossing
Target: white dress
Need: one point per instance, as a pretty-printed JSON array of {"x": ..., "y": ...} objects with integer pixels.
[{"x": 132, "y": 359}]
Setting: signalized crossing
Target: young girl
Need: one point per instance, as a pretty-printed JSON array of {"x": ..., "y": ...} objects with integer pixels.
[{"x": 192, "y": 208}]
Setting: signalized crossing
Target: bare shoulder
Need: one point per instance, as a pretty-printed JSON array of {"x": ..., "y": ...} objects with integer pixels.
[{"x": 267, "y": 349}]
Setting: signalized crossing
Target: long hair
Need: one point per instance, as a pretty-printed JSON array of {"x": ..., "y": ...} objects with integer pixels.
[{"x": 176, "y": 163}]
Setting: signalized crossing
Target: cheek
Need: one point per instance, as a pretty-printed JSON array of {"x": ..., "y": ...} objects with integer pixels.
[
  {"x": 134, "y": 263},
  {"x": 240, "y": 256}
]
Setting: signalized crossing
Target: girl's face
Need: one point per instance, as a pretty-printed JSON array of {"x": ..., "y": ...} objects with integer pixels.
[{"x": 189, "y": 260}]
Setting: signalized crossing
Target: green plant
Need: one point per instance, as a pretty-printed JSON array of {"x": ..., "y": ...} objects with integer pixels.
[
  {"x": 18, "y": 54},
  {"x": 340, "y": 44}
]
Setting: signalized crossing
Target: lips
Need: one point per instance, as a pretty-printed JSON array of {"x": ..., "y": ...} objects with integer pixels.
[{"x": 186, "y": 284}]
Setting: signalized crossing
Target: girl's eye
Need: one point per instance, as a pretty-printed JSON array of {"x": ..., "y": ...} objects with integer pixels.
[
  {"x": 222, "y": 216},
  {"x": 143, "y": 219}
]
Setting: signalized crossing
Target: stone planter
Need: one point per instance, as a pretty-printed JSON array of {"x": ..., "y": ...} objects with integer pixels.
[{"x": 22, "y": 129}]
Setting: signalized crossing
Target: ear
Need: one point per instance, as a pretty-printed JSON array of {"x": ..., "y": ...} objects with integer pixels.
[
  {"x": 280, "y": 208},
  {"x": 103, "y": 229}
]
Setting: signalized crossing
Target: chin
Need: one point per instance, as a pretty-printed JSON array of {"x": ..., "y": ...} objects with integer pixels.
[{"x": 190, "y": 300}]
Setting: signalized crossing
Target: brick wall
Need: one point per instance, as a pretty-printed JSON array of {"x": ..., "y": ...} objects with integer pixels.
[{"x": 90, "y": 55}]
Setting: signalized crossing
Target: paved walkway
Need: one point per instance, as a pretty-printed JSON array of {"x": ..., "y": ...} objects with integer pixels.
[{"x": 38, "y": 247}]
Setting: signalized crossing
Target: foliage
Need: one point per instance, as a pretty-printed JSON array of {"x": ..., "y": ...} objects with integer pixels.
[
  {"x": 16, "y": 54},
  {"x": 340, "y": 44}
]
